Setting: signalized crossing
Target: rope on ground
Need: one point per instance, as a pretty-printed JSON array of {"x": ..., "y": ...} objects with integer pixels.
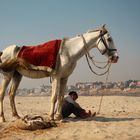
[{"x": 100, "y": 104}]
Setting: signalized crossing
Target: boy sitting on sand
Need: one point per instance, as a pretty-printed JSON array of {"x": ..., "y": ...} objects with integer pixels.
[{"x": 71, "y": 106}]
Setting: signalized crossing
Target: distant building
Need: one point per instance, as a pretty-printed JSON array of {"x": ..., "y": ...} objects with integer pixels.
[
  {"x": 71, "y": 88},
  {"x": 138, "y": 84},
  {"x": 85, "y": 86}
]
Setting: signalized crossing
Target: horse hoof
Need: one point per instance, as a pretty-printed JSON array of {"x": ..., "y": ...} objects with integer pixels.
[
  {"x": 58, "y": 117},
  {"x": 51, "y": 119},
  {"x": 14, "y": 118}
]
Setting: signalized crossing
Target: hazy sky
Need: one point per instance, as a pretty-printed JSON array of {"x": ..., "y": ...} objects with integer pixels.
[{"x": 30, "y": 22}]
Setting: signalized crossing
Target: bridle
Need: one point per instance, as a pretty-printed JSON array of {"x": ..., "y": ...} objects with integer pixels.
[
  {"x": 89, "y": 57},
  {"x": 102, "y": 38}
]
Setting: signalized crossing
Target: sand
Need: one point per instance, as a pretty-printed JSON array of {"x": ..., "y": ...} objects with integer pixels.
[{"x": 119, "y": 118}]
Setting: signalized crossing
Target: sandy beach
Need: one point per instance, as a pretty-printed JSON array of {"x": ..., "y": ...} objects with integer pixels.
[{"x": 119, "y": 118}]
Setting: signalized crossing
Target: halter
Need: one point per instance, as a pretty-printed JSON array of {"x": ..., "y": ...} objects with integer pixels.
[
  {"x": 102, "y": 38},
  {"x": 88, "y": 56}
]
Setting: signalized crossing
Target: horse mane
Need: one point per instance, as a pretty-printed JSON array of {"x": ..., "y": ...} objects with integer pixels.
[{"x": 103, "y": 29}]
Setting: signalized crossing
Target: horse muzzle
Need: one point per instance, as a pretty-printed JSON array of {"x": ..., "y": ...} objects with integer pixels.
[{"x": 113, "y": 59}]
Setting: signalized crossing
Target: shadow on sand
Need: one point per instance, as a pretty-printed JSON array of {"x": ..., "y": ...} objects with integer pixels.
[
  {"x": 112, "y": 119},
  {"x": 102, "y": 119}
]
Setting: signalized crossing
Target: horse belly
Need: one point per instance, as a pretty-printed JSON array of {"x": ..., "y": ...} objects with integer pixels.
[{"x": 35, "y": 74}]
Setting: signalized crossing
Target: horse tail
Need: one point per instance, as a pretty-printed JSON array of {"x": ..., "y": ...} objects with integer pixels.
[
  {"x": 9, "y": 65},
  {"x": 14, "y": 63},
  {"x": 1, "y": 53},
  {"x": 0, "y": 56}
]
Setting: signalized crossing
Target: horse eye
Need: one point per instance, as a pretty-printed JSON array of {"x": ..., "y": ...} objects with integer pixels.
[{"x": 109, "y": 39}]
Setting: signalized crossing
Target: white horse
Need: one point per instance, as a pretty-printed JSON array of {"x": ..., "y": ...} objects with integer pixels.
[{"x": 72, "y": 50}]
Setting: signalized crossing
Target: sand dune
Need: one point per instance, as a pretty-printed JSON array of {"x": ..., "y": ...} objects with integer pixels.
[{"x": 119, "y": 118}]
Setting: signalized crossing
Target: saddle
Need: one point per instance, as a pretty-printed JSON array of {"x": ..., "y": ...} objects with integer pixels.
[{"x": 41, "y": 55}]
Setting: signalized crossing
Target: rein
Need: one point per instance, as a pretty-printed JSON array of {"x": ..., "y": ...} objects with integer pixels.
[
  {"x": 88, "y": 56},
  {"x": 101, "y": 99}
]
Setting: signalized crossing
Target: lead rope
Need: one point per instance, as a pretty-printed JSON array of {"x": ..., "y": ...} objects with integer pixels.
[
  {"x": 106, "y": 80},
  {"x": 88, "y": 56},
  {"x": 101, "y": 99},
  {"x": 99, "y": 74}
]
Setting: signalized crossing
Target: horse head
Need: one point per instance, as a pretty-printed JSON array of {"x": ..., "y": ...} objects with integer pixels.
[{"x": 105, "y": 45}]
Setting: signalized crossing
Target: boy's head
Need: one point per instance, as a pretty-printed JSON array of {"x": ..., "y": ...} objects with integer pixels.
[{"x": 74, "y": 95}]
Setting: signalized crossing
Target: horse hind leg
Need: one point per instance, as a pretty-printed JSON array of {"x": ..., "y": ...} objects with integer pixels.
[
  {"x": 60, "y": 97},
  {"x": 14, "y": 85},
  {"x": 55, "y": 91},
  {"x": 4, "y": 84}
]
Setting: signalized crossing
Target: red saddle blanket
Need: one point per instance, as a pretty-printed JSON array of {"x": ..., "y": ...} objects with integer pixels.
[{"x": 41, "y": 55}]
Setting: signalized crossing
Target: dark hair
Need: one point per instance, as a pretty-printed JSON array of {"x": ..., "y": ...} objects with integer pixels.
[{"x": 73, "y": 93}]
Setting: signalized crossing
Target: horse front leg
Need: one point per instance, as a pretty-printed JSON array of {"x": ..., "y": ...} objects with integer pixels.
[
  {"x": 63, "y": 83},
  {"x": 55, "y": 91},
  {"x": 14, "y": 85},
  {"x": 3, "y": 87}
]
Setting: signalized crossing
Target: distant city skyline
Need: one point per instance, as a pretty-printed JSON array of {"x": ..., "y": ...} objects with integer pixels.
[{"x": 34, "y": 22}]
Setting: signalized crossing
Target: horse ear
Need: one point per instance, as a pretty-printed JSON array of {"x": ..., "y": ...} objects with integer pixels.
[
  {"x": 104, "y": 25},
  {"x": 104, "y": 29}
]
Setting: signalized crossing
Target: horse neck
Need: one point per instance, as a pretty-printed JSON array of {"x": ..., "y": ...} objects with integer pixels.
[{"x": 76, "y": 46}]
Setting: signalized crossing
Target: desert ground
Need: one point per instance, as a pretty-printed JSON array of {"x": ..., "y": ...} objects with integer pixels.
[{"x": 119, "y": 118}]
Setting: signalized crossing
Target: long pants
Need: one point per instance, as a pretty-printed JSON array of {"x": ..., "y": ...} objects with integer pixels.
[{"x": 69, "y": 108}]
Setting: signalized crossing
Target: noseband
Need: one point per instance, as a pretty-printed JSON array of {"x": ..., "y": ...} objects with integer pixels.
[{"x": 102, "y": 38}]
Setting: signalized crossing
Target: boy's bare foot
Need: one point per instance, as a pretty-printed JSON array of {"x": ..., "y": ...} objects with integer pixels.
[
  {"x": 91, "y": 114},
  {"x": 94, "y": 114}
]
